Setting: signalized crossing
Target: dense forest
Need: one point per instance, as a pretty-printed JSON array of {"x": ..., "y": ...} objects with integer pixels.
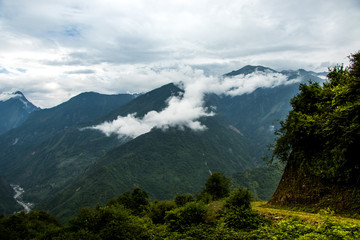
[{"x": 217, "y": 212}]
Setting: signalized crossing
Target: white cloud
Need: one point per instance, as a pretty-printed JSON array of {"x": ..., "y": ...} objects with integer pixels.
[
  {"x": 52, "y": 40},
  {"x": 8, "y": 95},
  {"x": 185, "y": 110},
  {"x": 182, "y": 111}
]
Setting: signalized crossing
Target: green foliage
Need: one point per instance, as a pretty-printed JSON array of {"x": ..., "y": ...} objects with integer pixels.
[
  {"x": 179, "y": 164},
  {"x": 59, "y": 151},
  {"x": 137, "y": 201},
  {"x": 159, "y": 209},
  {"x": 321, "y": 135},
  {"x": 239, "y": 198},
  {"x": 192, "y": 213},
  {"x": 36, "y": 224},
  {"x": 262, "y": 181},
  {"x": 109, "y": 222},
  {"x": 238, "y": 213},
  {"x": 217, "y": 185},
  {"x": 243, "y": 218},
  {"x": 167, "y": 220},
  {"x": 204, "y": 196},
  {"x": 295, "y": 229},
  {"x": 182, "y": 199},
  {"x": 8, "y": 204}
]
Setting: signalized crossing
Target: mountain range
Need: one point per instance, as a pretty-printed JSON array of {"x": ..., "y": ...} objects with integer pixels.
[{"x": 63, "y": 165}]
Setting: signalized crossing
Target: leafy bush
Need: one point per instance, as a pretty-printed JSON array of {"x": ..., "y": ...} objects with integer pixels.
[
  {"x": 28, "y": 226},
  {"x": 243, "y": 218},
  {"x": 217, "y": 185},
  {"x": 239, "y": 198},
  {"x": 109, "y": 222},
  {"x": 137, "y": 201},
  {"x": 182, "y": 218},
  {"x": 182, "y": 199},
  {"x": 159, "y": 209},
  {"x": 238, "y": 213}
]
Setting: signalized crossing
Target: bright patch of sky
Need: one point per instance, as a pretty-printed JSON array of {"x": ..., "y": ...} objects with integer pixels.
[{"x": 53, "y": 50}]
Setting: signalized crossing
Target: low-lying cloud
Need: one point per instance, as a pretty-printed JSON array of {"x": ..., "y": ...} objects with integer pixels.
[
  {"x": 184, "y": 111},
  {"x": 8, "y": 95}
]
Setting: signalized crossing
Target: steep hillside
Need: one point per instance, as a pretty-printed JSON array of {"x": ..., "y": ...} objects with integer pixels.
[
  {"x": 8, "y": 204},
  {"x": 262, "y": 182},
  {"x": 44, "y": 124},
  {"x": 319, "y": 142},
  {"x": 258, "y": 113},
  {"x": 164, "y": 163},
  {"x": 14, "y": 110},
  {"x": 40, "y": 155},
  {"x": 43, "y": 168}
]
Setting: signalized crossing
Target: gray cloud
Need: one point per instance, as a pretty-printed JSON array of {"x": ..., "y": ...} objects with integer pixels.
[
  {"x": 81, "y": 71},
  {"x": 48, "y": 37}
]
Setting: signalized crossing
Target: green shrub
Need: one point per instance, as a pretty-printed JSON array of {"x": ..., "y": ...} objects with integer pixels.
[
  {"x": 137, "y": 201},
  {"x": 243, "y": 218},
  {"x": 238, "y": 213},
  {"x": 217, "y": 185},
  {"x": 109, "y": 222},
  {"x": 182, "y": 218},
  {"x": 182, "y": 199},
  {"x": 239, "y": 198},
  {"x": 159, "y": 209}
]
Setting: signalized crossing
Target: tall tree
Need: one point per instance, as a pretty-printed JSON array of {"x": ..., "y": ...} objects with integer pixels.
[
  {"x": 321, "y": 133},
  {"x": 217, "y": 185},
  {"x": 319, "y": 142}
]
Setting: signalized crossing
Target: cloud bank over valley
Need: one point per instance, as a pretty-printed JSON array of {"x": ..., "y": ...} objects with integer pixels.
[{"x": 185, "y": 110}]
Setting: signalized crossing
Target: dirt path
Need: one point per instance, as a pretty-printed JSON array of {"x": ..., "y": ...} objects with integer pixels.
[{"x": 313, "y": 218}]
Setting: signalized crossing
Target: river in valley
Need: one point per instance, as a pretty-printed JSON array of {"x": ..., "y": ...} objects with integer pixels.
[{"x": 19, "y": 191}]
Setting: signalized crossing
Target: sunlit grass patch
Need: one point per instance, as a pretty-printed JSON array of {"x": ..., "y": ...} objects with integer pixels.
[{"x": 277, "y": 213}]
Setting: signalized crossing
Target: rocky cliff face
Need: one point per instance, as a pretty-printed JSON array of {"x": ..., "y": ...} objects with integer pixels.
[{"x": 300, "y": 189}]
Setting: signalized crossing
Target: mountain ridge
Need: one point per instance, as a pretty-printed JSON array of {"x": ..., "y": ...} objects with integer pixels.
[{"x": 46, "y": 154}]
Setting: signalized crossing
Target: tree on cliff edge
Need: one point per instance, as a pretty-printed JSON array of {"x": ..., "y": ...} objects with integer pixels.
[{"x": 320, "y": 142}]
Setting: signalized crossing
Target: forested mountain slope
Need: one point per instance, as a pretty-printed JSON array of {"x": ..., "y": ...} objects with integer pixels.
[
  {"x": 164, "y": 163},
  {"x": 39, "y": 155},
  {"x": 7, "y": 202}
]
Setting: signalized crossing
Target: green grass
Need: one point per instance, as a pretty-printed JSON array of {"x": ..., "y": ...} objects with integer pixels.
[{"x": 279, "y": 213}]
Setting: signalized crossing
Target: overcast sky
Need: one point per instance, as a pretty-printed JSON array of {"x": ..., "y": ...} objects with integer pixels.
[{"x": 53, "y": 50}]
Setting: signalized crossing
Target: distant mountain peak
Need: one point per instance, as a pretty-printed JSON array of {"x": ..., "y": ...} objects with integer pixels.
[
  {"x": 14, "y": 110},
  {"x": 248, "y": 69},
  {"x": 5, "y": 96},
  {"x": 22, "y": 102},
  {"x": 19, "y": 93}
]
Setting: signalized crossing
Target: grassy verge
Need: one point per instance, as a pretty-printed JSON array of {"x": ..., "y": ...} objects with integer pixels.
[{"x": 278, "y": 213}]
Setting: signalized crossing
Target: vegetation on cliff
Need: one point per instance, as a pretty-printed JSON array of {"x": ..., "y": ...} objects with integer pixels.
[{"x": 319, "y": 141}]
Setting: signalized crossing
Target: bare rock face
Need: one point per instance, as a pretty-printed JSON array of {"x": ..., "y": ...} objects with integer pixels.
[{"x": 299, "y": 189}]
